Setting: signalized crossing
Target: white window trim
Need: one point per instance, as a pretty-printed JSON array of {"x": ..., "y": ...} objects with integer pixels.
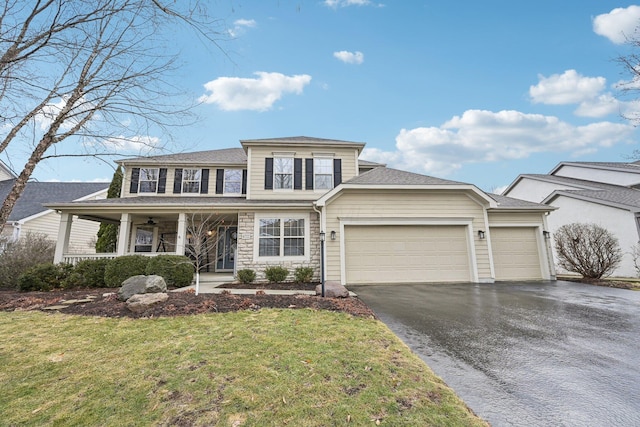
[
  {"x": 283, "y": 156},
  {"x": 322, "y": 157},
  {"x": 140, "y": 180},
  {"x": 182, "y": 192},
  {"x": 281, "y": 216},
  {"x": 224, "y": 183}
]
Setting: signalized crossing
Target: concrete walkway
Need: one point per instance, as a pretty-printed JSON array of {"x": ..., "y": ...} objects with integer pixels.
[{"x": 217, "y": 288}]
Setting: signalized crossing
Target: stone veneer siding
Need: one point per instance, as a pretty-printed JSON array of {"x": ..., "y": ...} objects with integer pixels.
[{"x": 246, "y": 221}]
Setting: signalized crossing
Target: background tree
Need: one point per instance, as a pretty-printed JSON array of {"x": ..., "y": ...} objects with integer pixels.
[
  {"x": 587, "y": 249},
  {"x": 108, "y": 232},
  {"x": 92, "y": 72}
]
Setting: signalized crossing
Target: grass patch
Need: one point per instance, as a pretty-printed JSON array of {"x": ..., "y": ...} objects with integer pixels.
[{"x": 271, "y": 367}]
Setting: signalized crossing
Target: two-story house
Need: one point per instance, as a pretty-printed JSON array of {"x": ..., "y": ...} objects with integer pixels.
[
  {"x": 604, "y": 193},
  {"x": 275, "y": 200}
]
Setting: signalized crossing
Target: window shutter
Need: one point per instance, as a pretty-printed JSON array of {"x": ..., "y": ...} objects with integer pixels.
[
  {"x": 337, "y": 172},
  {"x": 162, "y": 180},
  {"x": 135, "y": 177},
  {"x": 244, "y": 181},
  {"x": 268, "y": 173},
  {"x": 219, "y": 181},
  {"x": 308, "y": 174},
  {"x": 297, "y": 174},
  {"x": 177, "y": 181},
  {"x": 204, "y": 181}
]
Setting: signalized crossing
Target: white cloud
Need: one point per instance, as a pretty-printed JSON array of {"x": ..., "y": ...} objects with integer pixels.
[
  {"x": 569, "y": 87},
  {"x": 240, "y": 26},
  {"x": 618, "y": 24},
  {"x": 122, "y": 144},
  {"x": 259, "y": 94},
  {"x": 600, "y": 106},
  {"x": 345, "y": 3},
  {"x": 349, "y": 57},
  {"x": 50, "y": 112},
  {"x": 487, "y": 136}
]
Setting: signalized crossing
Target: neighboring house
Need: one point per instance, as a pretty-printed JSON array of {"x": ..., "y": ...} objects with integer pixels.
[
  {"x": 30, "y": 216},
  {"x": 604, "y": 193},
  {"x": 274, "y": 198}
]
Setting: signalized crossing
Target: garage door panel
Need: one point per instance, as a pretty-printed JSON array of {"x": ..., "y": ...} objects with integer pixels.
[
  {"x": 515, "y": 253},
  {"x": 405, "y": 254}
]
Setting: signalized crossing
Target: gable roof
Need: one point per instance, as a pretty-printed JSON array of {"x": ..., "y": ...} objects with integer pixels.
[
  {"x": 303, "y": 140},
  {"x": 37, "y": 193},
  {"x": 231, "y": 156},
  {"x": 505, "y": 202},
  {"x": 633, "y": 167},
  {"x": 389, "y": 176}
]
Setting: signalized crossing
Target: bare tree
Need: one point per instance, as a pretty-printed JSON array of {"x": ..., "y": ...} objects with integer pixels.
[
  {"x": 92, "y": 72},
  {"x": 587, "y": 249}
]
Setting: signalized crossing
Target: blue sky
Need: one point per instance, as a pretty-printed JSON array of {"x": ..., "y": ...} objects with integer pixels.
[{"x": 470, "y": 91}]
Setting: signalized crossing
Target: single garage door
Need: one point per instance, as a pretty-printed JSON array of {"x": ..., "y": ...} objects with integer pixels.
[
  {"x": 406, "y": 254},
  {"x": 515, "y": 253}
]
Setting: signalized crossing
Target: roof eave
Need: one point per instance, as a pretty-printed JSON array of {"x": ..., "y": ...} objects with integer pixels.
[{"x": 551, "y": 197}]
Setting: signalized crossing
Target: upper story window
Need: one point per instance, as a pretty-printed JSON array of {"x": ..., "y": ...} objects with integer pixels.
[
  {"x": 322, "y": 173},
  {"x": 283, "y": 173},
  {"x": 232, "y": 181},
  {"x": 148, "y": 180},
  {"x": 191, "y": 179}
]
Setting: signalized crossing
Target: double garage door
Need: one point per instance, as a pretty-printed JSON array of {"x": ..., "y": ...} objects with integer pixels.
[{"x": 406, "y": 254}]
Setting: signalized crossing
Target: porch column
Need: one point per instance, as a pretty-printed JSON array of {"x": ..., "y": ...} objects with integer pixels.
[
  {"x": 64, "y": 232},
  {"x": 123, "y": 235},
  {"x": 182, "y": 231}
]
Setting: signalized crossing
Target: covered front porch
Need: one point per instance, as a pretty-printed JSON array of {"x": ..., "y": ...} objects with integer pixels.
[{"x": 208, "y": 238}]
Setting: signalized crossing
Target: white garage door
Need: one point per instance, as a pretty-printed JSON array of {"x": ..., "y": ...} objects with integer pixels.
[
  {"x": 515, "y": 253},
  {"x": 406, "y": 254}
]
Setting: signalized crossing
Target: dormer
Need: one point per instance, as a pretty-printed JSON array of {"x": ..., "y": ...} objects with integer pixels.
[{"x": 299, "y": 168}]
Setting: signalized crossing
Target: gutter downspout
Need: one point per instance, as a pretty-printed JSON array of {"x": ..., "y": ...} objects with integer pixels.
[{"x": 322, "y": 244}]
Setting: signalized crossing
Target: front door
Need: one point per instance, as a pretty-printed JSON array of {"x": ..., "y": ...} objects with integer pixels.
[{"x": 226, "y": 248}]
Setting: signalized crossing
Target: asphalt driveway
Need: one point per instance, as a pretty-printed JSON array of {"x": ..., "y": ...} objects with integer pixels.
[{"x": 523, "y": 354}]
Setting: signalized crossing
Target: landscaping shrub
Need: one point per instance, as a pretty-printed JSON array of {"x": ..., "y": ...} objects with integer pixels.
[
  {"x": 88, "y": 273},
  {"x": 121, "y": 268},
  {"x": 31, "y": 250},
  {"x": 303, "y": 274},
  {"x": 276, "y": 273},
  {"x": 44, "y": 277},
  {"x": 246, "y": 275},
  {"x": 177, "y": 270},
  {"x": 587, "y": 249}
]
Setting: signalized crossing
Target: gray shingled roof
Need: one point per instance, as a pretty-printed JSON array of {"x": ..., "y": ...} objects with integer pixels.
[
  {"x": 300, "y": 140},
  {"x": 633, "y": 167},
  {"x": 388, "y": 176},
  {"x": 505, "y": 202},
  {"x": 235, "y": 156},
  {"x": 37, "y": 193},
  {"x": 180, "y": 201}
]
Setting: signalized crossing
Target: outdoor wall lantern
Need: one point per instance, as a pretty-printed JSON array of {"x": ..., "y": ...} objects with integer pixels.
[
  {"x": 546, "y": 234},
  {"x": 480, "y": 234},
  {"x": 333, "y": 235}
]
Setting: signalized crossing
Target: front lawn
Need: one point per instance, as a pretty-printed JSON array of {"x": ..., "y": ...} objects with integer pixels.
[{"x": 249, "y": 368}]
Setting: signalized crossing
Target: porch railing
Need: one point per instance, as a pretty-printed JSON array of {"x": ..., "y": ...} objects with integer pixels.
[{"x": 73, "y": 259}]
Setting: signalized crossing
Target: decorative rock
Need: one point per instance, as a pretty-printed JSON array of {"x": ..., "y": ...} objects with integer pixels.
[
  {"x": 55, "y": 307},
  {"x": 139, "y": 303},
  {"x": 141, "y": 284},
  {"x": 332, "y": 290}
]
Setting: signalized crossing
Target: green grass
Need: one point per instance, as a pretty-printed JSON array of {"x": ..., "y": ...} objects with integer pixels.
[{"x": 265, "y": 368}]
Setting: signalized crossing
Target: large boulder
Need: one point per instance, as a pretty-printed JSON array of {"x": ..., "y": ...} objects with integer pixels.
[
  {"x": 332, "y": 290},
  {"x": 139, "y": 303},
  {"x": 141, "y": 284}
]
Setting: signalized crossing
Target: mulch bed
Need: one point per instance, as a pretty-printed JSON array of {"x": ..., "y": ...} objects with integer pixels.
[{"x": 178, "y": 304}]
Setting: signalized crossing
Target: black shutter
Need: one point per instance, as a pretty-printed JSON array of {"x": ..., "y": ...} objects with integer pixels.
[
  {"x": 308, "y": 174},
  {"x": 268, "y": 173},
  {"x": 244, "y": 181},
  {"x": 204, "y": 181},
  {"x": 219, "y": 181},
  {"x": 177, "y": 181},
  {"x": 135, "y": 177},
  {"x": 337, "y": 172},
  {"x": 162, "y": 180},
  {"x": 297, "y": 174}
]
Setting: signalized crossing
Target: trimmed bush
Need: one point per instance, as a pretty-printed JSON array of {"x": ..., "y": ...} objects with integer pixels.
[
  {"x": 276, "y": 273},
  {"x": 18, "y": 257},
  {"x": 88, "y": 273},
  {"x": 44, "y": 277},
  {"x": 303, "y": 274},
  {"x": 120, "y": 269},
  {"x": 177, "y": 270},
  {"x": 246, "y": 275}
]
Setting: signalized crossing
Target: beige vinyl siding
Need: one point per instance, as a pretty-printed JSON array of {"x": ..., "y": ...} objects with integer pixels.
[
  {"x": 256, "y": 189},
  {"x": 515, "y": 218},
  {"x": 83, "y": 232},
  {"x": 171, "y": 173},
  {"x": 398, "y": 205}
]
